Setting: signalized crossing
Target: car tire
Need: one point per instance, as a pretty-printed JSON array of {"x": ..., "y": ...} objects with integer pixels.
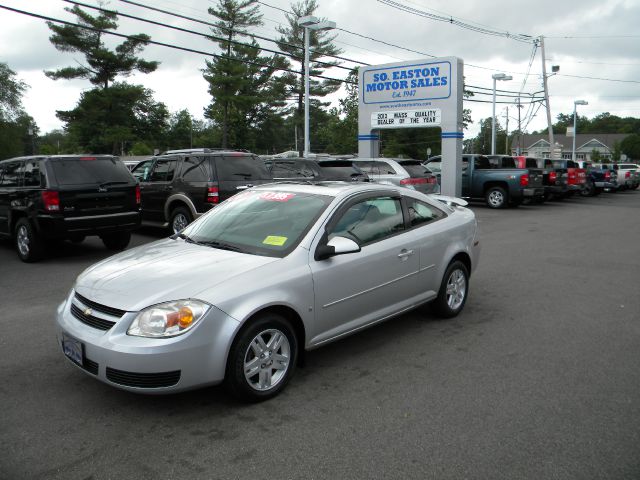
[
  {"x": 496, "y": 197},
  {"x": 116, "y": 241},
  {"x": 251, "y": 375},
  {"x": 453, "y": 292},
  {"x": 29, "y": 244},
  {"x": 589, "y": 190},
  {"x": 180, "y": 218}
]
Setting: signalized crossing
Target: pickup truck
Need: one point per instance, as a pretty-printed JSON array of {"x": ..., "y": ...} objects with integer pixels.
[
  {"x": 485, "y": 179},
  {"x": 598, "y": 179},
  {"x": 627, "y": 175},
  {"x": 555, "y": 184},
  {"x": 576, "y": 176}
]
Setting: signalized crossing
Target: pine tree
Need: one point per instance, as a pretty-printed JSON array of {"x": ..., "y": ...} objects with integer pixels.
[
  {"x": 102, "y": 65},
  {"x": 321, "y": 45},
  {"x": 242, "y": 83}
]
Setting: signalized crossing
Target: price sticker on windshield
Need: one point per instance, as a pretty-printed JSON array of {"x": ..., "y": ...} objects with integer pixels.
[
  {"x": 277, "y": 196},
  {"x": 275, "y": 240}
]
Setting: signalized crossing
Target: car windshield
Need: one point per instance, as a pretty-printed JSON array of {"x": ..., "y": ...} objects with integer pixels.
[
  {"x": 414, "y": 168},
  {"x": 259, "y": 222}
]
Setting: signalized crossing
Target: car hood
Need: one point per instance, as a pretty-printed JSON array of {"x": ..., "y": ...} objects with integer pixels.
[{"x": 162, "y": 271}]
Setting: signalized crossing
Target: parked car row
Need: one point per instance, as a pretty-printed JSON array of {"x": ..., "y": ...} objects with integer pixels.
[
  {"x": 69, "y": 197},
  {"x": 503, "y": 181}
]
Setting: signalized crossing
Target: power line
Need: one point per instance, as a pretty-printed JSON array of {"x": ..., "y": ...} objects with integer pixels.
[
  {"x": 193, "y": 32},
  {"x": 168, "y": 45}
]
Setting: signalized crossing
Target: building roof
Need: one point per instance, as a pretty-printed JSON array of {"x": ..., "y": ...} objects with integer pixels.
[{"x": 607, "y": 139}]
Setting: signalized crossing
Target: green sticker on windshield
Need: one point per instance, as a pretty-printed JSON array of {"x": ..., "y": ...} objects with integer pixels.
[{"x": 275, "y": 240}]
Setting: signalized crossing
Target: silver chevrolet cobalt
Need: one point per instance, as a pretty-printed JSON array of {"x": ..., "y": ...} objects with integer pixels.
[{"x": 238, "y": 294}]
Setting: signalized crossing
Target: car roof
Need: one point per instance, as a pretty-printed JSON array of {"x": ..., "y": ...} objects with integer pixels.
[{"x": 330, "y": 188}]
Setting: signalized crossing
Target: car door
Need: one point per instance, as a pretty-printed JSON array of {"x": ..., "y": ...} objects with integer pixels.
[
  {"x": 9, "y": 187},
  {"x": 157, "y": 188},
  {"x": 357, "y": 289}
]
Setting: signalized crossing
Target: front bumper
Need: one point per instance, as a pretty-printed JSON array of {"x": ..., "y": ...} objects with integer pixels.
[{"x": 148, "y": 365}]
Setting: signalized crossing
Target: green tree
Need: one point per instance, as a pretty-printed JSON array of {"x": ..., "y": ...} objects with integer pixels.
[
  {"x": 109, "y": 120},
  {"x": 630, "y": 146},
  {"x": 11, "y": 91},
  {"x": 595, "y": 156},
  {"x": 321, "y": 45},
  {"x": 242, "y": 83},
  {"x": 102, "y": 64}
]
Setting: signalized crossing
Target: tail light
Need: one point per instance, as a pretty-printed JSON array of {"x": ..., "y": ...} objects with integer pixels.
[
  {"x": 138, "y": 199},
  {"x": 627, "y": 175},
  {"x": 51, "y": 201},
  {"x": 432, "y": 180},
  {"x": 607, "y": 175},
  {"x": 414, "y": 181},
  {"x": 524, "y": 180},
  {"x": 552, "y": 177},
  {"x": 213, "y": 195}
]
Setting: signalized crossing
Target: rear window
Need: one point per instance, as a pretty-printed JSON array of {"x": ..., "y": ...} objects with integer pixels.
[
  {"x": 89, "y": 170},
  {"x": 531, "y": 163},
  {"x": 415, "y": 169},
  {"x": 241, "y": 168},
  {"x": 292, "y": 169}
]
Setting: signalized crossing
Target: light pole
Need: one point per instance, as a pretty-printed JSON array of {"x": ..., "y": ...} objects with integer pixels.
[
  {"x": 575, "y": 104},
  {"x": 496, "y": 76},
  {"x": 310, "y": 23}
]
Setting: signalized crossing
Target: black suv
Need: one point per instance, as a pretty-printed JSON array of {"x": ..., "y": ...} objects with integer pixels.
[
  {"x": 181, "y": 185},
  {"x": 67, "y": 197}
]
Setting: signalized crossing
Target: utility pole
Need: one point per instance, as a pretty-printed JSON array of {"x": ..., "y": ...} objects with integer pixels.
[
  {"x": 506, "y": 140},
  {"x": 546, "y": 99},
  {"x": 518, "y": 150}
]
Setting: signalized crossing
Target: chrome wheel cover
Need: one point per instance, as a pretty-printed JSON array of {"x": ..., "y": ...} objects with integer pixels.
[
  {"x": 456, "y": 289},
  {"x": 180, "y": 221},
  {"x": 22, "y": 240},
  {"x": 496, "y": 198},
  {"x": 267, "y": 360}
]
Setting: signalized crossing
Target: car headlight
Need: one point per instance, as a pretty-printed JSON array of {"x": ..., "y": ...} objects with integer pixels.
[{"x": 168, "y": 319}]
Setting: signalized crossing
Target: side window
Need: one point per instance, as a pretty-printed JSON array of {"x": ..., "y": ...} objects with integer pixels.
[
  {"x": 385, "y": 169},
  {"x": 421, "y": 213},
  {"x": 142, "y": 170},
  {"x": 195, "y": 169},
  {"x": 32, "y": 174},
  {"x": 370, "y": 168},
  {"x": 163, "y": 170},
  {"x": 10, "y": 174},
  {"x": 370, "y": 220}
]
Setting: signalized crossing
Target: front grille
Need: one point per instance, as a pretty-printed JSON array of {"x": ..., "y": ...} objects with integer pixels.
[
  {"x": 95, "y": 322},
  {"x": 143, "y": 380},
  {"x": 90, "y": 366},
  {"x": 101, "y": 308}
]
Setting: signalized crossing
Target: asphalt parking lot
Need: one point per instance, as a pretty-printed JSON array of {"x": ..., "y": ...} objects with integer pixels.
[{"x": 538, "y": 378}]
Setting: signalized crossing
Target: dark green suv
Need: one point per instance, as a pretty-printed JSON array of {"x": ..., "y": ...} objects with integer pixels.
[
  {"x": 67, "y": 197},
  {"x": 180, "y": 185}
]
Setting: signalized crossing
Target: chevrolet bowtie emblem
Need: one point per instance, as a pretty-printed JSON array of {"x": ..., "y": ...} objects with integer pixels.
[{"x": 87, "y": 311}]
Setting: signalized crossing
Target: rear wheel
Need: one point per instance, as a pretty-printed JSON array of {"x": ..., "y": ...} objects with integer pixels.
[
  {"x": 589, "y": 190},
  {"x": 116, "y": 241},
  {"x": 496, "y": 197},
  {"x": 453, "y": 290},
  {"x": 180, "y": 218},
  {"x": 262, "y": 358},
  {"x": 29, "y": 244}
]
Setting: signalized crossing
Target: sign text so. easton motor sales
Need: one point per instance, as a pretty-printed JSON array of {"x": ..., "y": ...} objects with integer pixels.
[{"x": 407, "y": 83}]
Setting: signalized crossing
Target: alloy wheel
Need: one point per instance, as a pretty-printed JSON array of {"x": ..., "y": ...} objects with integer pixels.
[
  {"x": 267, "y": 360},
  {"x": 456, "y": 289}
]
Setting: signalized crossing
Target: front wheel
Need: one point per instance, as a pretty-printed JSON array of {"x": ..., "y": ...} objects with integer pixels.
[
  {"x": 29, "y": 245},
  {"x": 262, "y": 358},
  {"x": 453, "y": 291},
  {"x": 496, "y": 197},
  {"x": 116, "y": 241}
]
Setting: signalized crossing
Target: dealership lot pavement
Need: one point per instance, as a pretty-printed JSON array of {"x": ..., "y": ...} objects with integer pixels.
[{"x": 538, "y": 378}]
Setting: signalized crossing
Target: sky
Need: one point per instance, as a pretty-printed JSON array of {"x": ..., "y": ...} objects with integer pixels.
[{"x": 596, "y": 45}]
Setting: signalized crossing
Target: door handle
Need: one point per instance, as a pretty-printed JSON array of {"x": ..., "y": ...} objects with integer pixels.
[{"x": 405, "y": 253}]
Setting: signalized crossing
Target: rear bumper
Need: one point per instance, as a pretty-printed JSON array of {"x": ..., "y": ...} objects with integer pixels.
[
  {"x": 60, "y": 227},
  {"x": 605, "y": 185},
  {"x": 533, "y": 192},
  {"x": 555, "y": 189}
]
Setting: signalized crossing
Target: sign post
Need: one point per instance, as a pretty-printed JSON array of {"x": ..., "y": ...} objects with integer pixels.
[{"x": 414, "y": 94}]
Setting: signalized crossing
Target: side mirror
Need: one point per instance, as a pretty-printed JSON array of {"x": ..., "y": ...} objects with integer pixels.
[{"x": 336, "y": 246}]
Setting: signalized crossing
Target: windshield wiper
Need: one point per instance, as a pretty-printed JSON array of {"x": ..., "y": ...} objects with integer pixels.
[
  {"x": 186, "y": 238},
  {"x": 222, "y": 246}
]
